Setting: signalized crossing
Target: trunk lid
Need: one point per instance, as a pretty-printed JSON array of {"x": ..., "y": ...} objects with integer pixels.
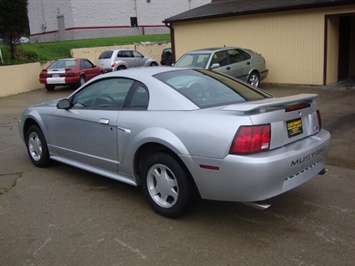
[{"x": 291, "y": 118}]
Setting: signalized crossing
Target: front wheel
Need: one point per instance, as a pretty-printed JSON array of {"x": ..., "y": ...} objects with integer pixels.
[
  {"x": 254, "y": 79},
  {"x": 166, "y": 185},
  {"x": 37, "y": 146},
  {"x": 153, "y": 64}
]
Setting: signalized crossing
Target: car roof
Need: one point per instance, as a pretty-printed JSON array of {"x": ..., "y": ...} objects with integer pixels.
[
  {"x": 212, "y": 49},
  {"x": 117, "y": 50},
  {"x": 68, "y": 59},
  {"x": 139, "y": 72}
]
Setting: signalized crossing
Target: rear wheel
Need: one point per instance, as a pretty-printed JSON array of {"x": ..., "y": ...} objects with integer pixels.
[
  {"x": 49, "y": 87},
  {"x": 166, "y": 185},
  {"x": 254, "y": 79},
  {"x": 153, "y": 64},
  {"x": 121, "y": 68},
  {"x": 37, "y": 146},
  {"x": 82, "y": 80}
]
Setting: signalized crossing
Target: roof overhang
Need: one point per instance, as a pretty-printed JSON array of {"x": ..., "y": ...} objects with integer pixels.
[{"x": 228, "y": 8}]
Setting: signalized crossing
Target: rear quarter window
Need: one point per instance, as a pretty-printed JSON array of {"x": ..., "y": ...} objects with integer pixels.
[{"x": 106, "y": 55}]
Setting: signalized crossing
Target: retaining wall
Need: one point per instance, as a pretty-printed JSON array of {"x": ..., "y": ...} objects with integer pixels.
[{"x": 17, "y": 79}]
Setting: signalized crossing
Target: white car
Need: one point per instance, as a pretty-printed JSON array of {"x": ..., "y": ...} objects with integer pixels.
[{"x": 112, "y": 60}]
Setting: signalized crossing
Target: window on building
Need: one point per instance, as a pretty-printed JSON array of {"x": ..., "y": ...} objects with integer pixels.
[{"x": 134, "y": 22}]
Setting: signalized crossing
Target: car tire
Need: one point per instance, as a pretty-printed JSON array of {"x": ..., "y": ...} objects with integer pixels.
[
  {"x": 82, "y": 80},
  {"x": 37, "y": 146},
  {"x": 153, "y": 64},
  {"x": 121, "y": 68},
  {"x": 254, "y": 79},
  {"x": 166, "y": 185},
  {"x": 49, "y": 87}
]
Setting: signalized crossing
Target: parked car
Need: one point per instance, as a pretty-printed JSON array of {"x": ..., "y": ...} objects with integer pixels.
[
  {"x": 113, "y": 60},
  {"x": 236, "y": 62},
  {"x": 70, "y": 71},
  {"x": 23, "y": 40},
  {"x": 181, "y": 134},
  {"x": 166, "y": 57}
]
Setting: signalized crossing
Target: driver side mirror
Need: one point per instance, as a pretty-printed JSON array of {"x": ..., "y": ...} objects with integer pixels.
[
  {"x": 63, "y": 104},
  {"x": 215, "y": 65}
]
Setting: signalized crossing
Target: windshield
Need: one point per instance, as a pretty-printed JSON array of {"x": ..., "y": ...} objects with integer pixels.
[
  {"x": 193, "y": 60},
  {"x": 207, "y": 88}
]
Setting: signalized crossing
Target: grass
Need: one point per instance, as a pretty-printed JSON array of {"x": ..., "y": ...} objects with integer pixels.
[{"x": 42, "y": 52}]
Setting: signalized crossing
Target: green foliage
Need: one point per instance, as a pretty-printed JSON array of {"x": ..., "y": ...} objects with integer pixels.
[
  {"x": 51, "y": 51},
  {"x": 13, "y": 21}
]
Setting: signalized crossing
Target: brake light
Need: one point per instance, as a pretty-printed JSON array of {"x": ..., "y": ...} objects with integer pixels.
[
  {"x": 43, "y": 74},
  {"x": 68, "y": 73},
  {"x": 319, "y": 120},
  {"x": 113, "y": 64},
  {"x": 297, "y": 107},
  {"x": 251, "y": 139}
]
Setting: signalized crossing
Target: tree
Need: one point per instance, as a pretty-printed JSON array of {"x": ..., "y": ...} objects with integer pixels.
[{"x": 13, "y": 22}]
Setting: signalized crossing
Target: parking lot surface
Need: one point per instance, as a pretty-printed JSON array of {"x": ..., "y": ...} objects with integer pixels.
[{"x": 61, "y": 215}]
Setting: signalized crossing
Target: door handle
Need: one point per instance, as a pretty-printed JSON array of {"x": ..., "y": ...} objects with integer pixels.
[
  {"x": 228, "y": 68},
  {"x": 104, "y": 121}
]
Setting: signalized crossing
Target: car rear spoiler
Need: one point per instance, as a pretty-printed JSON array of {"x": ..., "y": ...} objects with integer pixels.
[{"x": 270, "y": 102}]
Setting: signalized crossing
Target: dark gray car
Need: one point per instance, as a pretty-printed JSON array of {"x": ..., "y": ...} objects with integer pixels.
[{"x": 236, "y": 62}]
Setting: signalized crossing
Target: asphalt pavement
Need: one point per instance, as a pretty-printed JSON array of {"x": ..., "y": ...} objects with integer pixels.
[{"x": 61, "y": 215}]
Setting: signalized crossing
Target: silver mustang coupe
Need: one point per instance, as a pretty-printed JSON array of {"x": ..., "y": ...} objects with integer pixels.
[{"x": 181, "y": 134}]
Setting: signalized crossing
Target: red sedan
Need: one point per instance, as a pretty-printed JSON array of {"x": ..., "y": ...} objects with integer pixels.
[{"x": 70, "y": 71}]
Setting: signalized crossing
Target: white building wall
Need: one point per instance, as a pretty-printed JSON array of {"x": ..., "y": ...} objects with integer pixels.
[{"x": 95, "y": 19}]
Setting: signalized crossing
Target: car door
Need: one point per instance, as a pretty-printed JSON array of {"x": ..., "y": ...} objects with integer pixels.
[
  {"x": 130, "y": 59},
  {"x": 140, "y": 60},
  {"x": 88, "y": 68},
  {"x": 239, "y": 63},
  {"x": 87, "y": 132},
  {"x": 220, "y": 63}
]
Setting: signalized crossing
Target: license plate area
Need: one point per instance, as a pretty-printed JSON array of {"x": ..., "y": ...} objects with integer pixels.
[
  {"x": 55, "y": 76},
  {"x": 294, "y": 127}
]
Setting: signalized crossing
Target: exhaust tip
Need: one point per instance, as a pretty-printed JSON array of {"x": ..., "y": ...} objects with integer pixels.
[
  {"x": 324, "y": 171},
  {"x": 259, "y": 205}
]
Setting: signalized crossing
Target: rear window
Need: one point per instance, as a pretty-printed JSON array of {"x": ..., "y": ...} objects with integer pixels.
[
  {"x": 63, "y": 64},
  {"x": 208, "y": 88},
  {"x": 106, "y": 55}
]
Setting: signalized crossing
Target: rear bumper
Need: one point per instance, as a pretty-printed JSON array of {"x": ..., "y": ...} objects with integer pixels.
[
  {"x": 59, "y": 80},
  {"x": 263, "y": 74},
  {"x": 261, "y": 176}
]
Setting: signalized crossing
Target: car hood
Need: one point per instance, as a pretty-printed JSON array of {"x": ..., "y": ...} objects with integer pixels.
[{"x": 52, "y": 103}]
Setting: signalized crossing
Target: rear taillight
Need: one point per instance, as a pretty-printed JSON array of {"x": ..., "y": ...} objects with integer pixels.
[
  {"x": 43, "y": 74},
  {"x": 251, "y": 139},
  {"x": 68, "y": 74},
  {"x": 319, "y": 120},
  {"x": 113, "y": 64}
]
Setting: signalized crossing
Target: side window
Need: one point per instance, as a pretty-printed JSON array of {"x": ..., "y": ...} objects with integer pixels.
[
  {"x": 129, "y": 54},
  {"x": 137, "y": 54},
  {"x": 121, "y": 54},
  {"x": 246, "y": 56},
  {"x": 219, "y": 58},
  {"x": 139, "y": 98},
  {"x": 83, "y": 64},
  {"x": 104, "y": 94},
  {"x": 235, "y": 56},
  {"x": 88, "y": 64}
]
